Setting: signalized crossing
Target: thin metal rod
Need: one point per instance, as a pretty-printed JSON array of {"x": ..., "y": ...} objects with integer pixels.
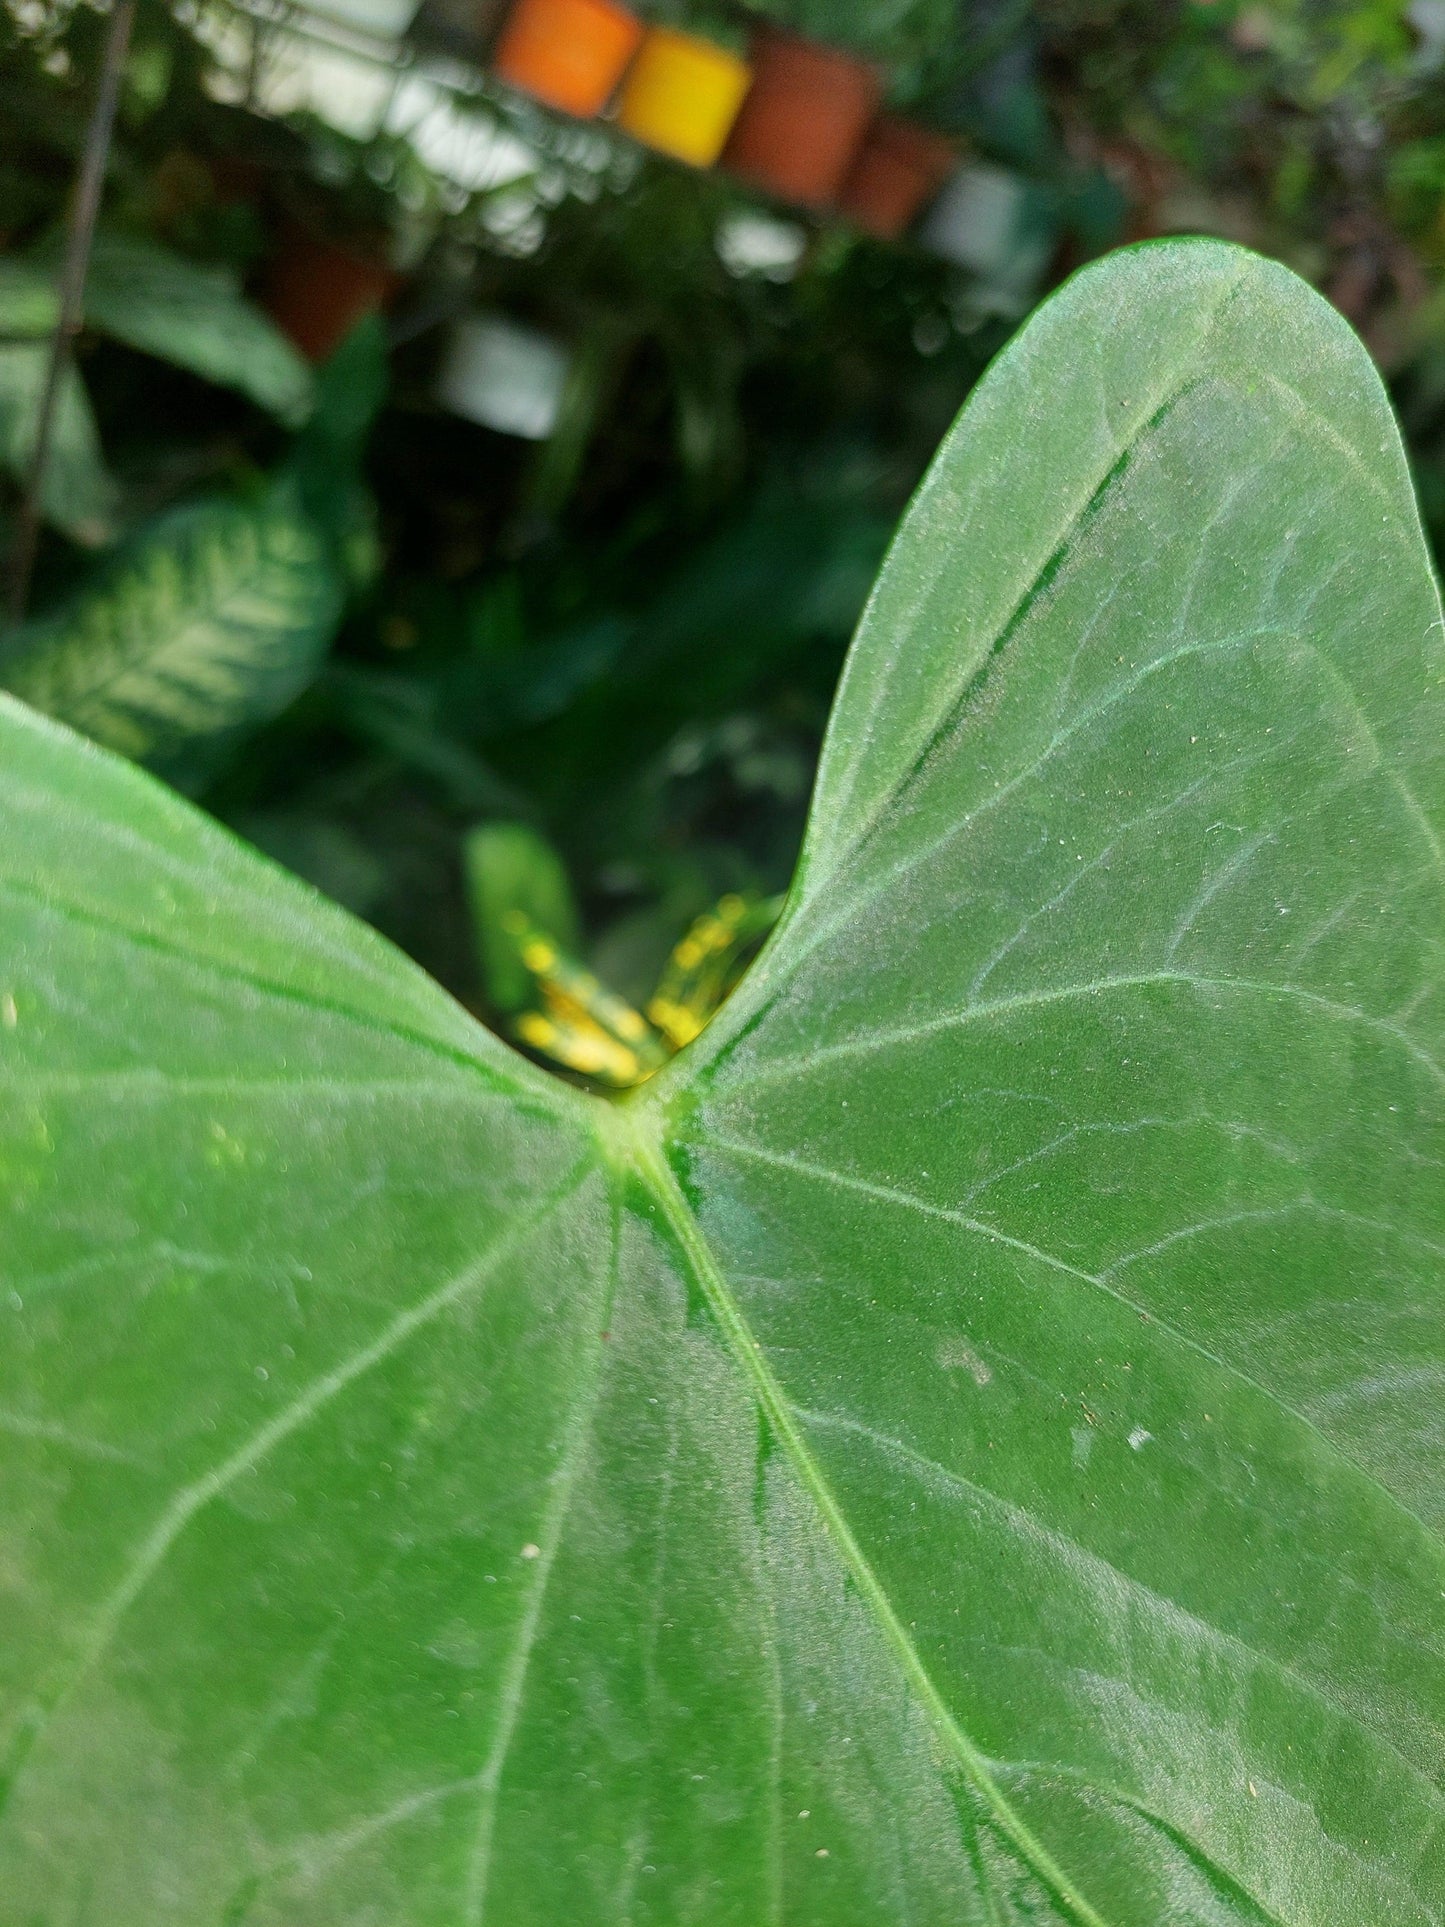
[{"x": 84, "y": 208}]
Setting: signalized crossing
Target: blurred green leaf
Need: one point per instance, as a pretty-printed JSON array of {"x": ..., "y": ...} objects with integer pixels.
[
  {"x": 77, "y": 493},
  {"x": 329, "y": 452},
  {"x": 194, "y": 317},
  {"x": 29, "y": 305},
  {"x": 398, "y": 715},
  {"x": 326, "y": 852},
  {"x": 350, "y": 389},
  {"x": 215, "y": 617},
  {"x": 591, "y": 375},
  {"x": 516, "y": 883}
]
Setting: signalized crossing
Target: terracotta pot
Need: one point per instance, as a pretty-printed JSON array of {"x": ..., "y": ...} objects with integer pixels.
[
  {"x": 504, "y": 375},
  {"x": 803, "y": 120},
  {"x": 900, "y": 166},
  {"x": 316, "y": 292},
  {"x": 568, "y": 53},
  {"x": 682, "y": 95}
]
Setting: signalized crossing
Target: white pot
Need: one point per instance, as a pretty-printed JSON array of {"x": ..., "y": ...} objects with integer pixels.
[
  {"x": 984, "y": 220},
  {"x": 504, "y": 375},
  {"x": 977, "y": 219}
]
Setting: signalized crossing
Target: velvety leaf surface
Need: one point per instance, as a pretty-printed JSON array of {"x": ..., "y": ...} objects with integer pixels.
[{"x": 964, "y": 1443}]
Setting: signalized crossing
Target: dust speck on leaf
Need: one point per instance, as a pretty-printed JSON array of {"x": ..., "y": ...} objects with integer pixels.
[{"x": 955, "y": 1356}]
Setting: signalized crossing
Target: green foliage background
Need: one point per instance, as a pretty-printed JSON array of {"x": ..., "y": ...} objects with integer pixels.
[{"x": 627, "y": 637}]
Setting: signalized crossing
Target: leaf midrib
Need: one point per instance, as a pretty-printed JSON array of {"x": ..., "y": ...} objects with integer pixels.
[
  {"x": 1102, "y": 1281},
  {"x": 899, "y": 1449},
  {"x": 637, "y": 1126}
]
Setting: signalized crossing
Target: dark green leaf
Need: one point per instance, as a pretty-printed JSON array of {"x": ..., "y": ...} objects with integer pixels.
[
  {"x": 197, "y": 318},
  {"x": 329, "y": 452},
  {"x": 399, "y": 717},
  {"x": 77, "y": 494},
  {"x": 592, "y": 372},
  {"x": 215, "y": 617},
  {"x": 962, "y": 1444},
  {"x": 327, "y": 853},
  {"x": 350, "y": 390}
]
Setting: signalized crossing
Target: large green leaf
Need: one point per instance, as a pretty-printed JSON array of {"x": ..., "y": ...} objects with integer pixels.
[
  {"x": 214, "y": 618},
  {"x": 963, "y": 1444}
]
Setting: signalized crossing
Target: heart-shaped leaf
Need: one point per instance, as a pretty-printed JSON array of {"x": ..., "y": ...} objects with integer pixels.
[{"x": 962, "y": 1444}]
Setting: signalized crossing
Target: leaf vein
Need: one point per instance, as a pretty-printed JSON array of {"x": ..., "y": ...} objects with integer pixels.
[
  {"x": 549, "y": 1536},
  {"x": 748, "y": 1355},
  {"x": 787, "y": 1068},
  {"x": 196, "y": 1496},
  {"x": 226, "y": 972},
  {"x": 1071, "y": 1550},
  {"x": 888, "y": 1194}
]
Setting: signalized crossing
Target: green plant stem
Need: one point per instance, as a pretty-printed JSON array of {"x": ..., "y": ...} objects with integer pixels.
[{"x": 84, "y": 209}]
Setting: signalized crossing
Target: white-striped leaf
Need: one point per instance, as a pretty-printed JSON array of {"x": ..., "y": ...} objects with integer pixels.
[{"x": 215, "y": 617}]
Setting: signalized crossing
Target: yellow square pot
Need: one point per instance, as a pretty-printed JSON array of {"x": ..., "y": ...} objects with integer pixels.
[{"x": 682, "y": 95}]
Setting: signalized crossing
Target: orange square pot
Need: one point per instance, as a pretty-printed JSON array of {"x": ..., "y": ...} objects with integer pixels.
[{"x": 568, "y": 53}]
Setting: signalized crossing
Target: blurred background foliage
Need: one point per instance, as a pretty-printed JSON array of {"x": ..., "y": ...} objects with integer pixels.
[{"x": 370, "y": 633}]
